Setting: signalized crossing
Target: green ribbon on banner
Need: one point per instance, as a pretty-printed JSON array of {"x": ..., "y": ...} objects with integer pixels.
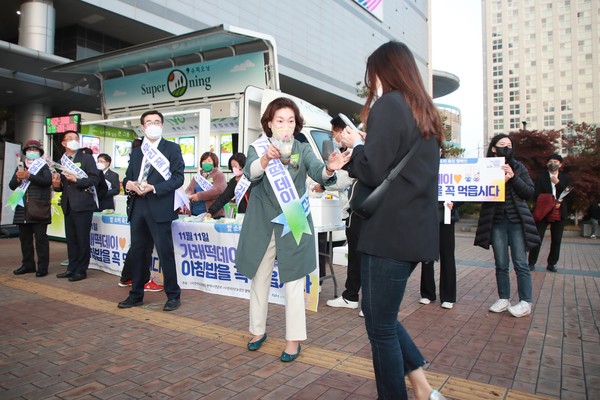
[
  {"x": 16, "y": 198},
  {"x": 296, "y": 219}
]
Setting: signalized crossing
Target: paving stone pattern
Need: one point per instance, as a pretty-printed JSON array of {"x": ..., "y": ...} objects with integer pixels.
[{"x": 68, "y": 340}]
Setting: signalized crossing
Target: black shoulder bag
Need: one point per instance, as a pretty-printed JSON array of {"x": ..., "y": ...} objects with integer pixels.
[{"x": 365, "y": 200}]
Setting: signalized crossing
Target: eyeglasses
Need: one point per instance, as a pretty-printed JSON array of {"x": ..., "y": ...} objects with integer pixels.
[{"x": 150, "y": 123}]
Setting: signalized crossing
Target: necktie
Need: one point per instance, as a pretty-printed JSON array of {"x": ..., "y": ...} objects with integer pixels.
[{"x": 146, "y": 170}]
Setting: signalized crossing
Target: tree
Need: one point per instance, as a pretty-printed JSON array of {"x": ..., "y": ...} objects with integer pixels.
[
  {"x": 583, "y": 163},
  {"x": 532, "y": 148}
]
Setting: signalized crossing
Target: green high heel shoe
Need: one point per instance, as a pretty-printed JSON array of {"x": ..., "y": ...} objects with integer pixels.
[
  {"x": 253, "y": 346},
  {"x": 285, "y": 357}
]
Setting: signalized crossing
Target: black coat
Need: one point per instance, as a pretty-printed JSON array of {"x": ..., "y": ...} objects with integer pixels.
[
  {"x": 543, "y": 184},
  {"x": 77, "y": 196},
  {"x": 107, "y": 202},
  {"x": 405, "y": 227},
  {"x": 228, "y": 195},
  {"x": 39, "y": 189},
  {"x": 518, "y": 190}
]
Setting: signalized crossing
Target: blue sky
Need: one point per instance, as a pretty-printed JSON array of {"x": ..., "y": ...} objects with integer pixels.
[{"x": 457, "y": 48}]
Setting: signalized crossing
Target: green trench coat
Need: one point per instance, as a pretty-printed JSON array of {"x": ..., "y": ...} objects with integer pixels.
[{"x": 294, "y": 261}]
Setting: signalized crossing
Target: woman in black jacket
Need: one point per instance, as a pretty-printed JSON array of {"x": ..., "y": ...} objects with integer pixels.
[
  {"x": 509, "y": 224},
  {"x": 38, "y": 188},
  {"x": 236, "y": 165},
  {"x": 403, "y": 231}
]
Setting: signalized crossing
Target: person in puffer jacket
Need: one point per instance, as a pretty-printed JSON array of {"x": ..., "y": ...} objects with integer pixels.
[
  {"x": 32, "y": 233},
  {"x": 509, "y": 224}
]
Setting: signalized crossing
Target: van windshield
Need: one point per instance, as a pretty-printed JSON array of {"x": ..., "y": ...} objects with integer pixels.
[{"x": 320, "y": 137}]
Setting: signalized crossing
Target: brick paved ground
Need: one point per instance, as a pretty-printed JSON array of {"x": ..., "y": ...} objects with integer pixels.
[{"x": 63, "y": 340}]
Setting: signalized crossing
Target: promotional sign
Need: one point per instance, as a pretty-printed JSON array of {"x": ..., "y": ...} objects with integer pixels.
[
  {"x": 204, "y": 256},
  {"x": 210, "y": 78},
  {"x": 121, "y": 154},
  {"x": 471, "y": 179},
  {"x": 62, "y": 124},
  {"x": 92, "y": 142},
  {"x": 375, "y": 7},
  {"x": 108, "y": 132},
  {"x": 188, "y": 150}
]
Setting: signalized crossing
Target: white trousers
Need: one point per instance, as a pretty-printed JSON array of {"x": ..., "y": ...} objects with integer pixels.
[{"x": 295, "y": 316}]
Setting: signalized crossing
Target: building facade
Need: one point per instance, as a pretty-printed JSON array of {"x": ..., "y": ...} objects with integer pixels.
[
  {"x": 541, "y": 64},
  {"x": 322, "y": 46}
]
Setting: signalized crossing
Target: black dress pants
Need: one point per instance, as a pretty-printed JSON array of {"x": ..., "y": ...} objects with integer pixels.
[
  {"x": 447, "y": 269},
  {"x": 77, "y": 231},
  {"x": 27, "y": 234},
  {"x": 145, "y": 234},
  {"x": 353, "y": 226},
  {"x": 126, "y": 272},
  {"x": 556, "y": 234}
]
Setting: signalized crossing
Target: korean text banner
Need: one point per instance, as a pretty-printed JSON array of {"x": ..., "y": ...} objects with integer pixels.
[
  {"x": 471, "y": 179},
  {"x": 204, "y": 256}
]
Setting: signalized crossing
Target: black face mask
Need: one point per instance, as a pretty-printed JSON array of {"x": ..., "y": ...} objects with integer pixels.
[
  {"x": 506, "y": 152},
  {"x": 553, "y": 167}
]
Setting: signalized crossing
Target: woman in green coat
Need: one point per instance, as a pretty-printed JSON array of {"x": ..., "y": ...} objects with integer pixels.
[{"x": 261, "y": 239}]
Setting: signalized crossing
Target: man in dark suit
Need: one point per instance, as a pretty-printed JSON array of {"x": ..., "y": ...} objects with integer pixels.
[
  {"x": 553, "y": 182},
  {"x": 77, "y": 182},
  {"x": 154, "y": 173},
  {"x": 112, "y": 181}
]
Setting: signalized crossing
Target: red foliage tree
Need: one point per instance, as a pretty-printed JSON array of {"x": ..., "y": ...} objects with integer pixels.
[
  {"x": 583, "y": 163},
  {"x": 532, "y": 148}
]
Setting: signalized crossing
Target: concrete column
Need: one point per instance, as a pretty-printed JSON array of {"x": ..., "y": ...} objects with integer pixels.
[
  {"x": 36, "y": 31},
  {"x": 29, "y": 122},
  {"x": 36, "y": 25}
]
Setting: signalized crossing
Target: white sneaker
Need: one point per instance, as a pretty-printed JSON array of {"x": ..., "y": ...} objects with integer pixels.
[
  {"x": 361, "y": 314},
  {"x": 65, "y": 263},
  {"x": 447, "y": 305},
  {"x": 593, "y": 237},
  {"x": 424, "y": 300},
  {"x": 520, "y": 309},
  {"x": 500, "y": 305},
  {"x": 342, "y": 302}
]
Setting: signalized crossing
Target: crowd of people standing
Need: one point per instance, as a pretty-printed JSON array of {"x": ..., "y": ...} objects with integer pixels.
[{"x": 408, "y": 227}]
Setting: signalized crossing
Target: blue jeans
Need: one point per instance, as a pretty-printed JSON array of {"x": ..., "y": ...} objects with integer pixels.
[
  {"x": 505, "y": 235},
  {"x": 394, "y": 353}
]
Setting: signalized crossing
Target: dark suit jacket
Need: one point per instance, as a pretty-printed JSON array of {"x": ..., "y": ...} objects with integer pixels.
[
  {"x": 161, "y": 202},
  {"x": 77, "y": 195},
  {"x": 544, "y": 185},
  {"x": 405, "y": 227},
  {"x": 107, "y": 202}
]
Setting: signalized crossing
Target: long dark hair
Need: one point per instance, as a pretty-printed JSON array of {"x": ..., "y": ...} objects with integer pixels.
[
  {"x": 495, "y": 140},
  {"x": 394, "y": 65}
]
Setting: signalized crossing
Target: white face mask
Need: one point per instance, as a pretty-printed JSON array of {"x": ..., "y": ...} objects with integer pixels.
[
  {"x": 236, "y": 171},
  {"x": 73, "y": 145},
  {"x": 283, "y": 134},
  {"x": 100, "y": 166},
  {"x": 283, "y": 139},
  {"x": 337, "y": 145},
  {"x": 153, "y": 132}
]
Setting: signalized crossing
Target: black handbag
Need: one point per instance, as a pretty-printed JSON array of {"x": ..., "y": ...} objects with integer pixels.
[
  {"x": 36, "y": 210},
  {"x": 364, "y": 200}
]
